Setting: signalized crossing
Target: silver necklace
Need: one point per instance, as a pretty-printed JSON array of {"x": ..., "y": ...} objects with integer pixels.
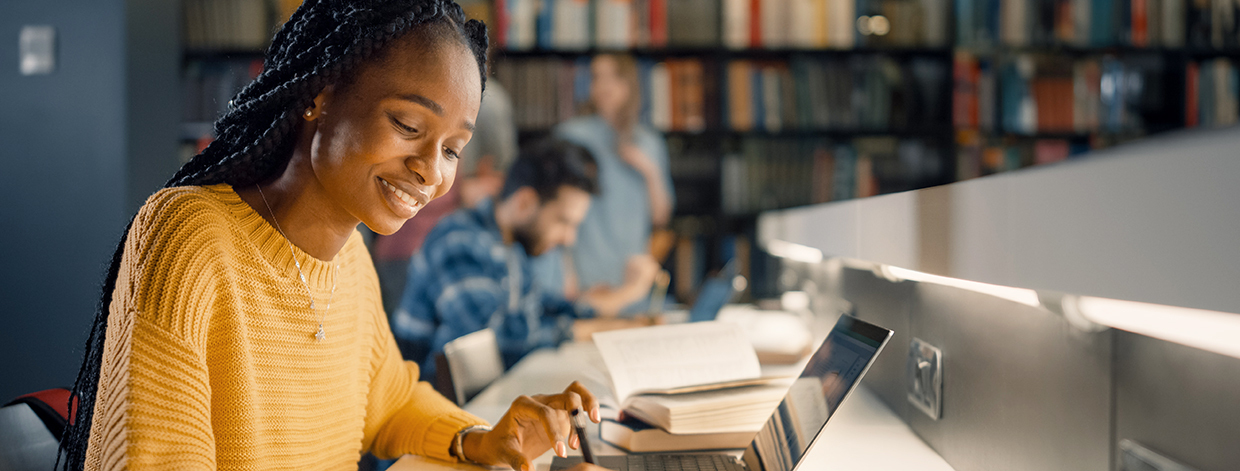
[{"x": 320, "y": 335}]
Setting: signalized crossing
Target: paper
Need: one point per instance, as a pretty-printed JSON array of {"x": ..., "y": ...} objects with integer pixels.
[{"x": 674, "y": 356}]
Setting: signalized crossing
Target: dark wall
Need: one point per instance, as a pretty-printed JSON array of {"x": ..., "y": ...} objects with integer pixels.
[
  {"x": 1178, "y": 401},
  {"x": 1022, "y": 389},
  {"x": 73, "y": 157}
]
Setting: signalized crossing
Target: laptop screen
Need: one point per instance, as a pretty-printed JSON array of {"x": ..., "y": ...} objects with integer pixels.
[
  {"x": 831, "y": 374},
  {"x": 715, "y": 293}
]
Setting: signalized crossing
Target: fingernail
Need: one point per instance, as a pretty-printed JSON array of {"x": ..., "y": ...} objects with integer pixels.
[
  {"x": 594, "y": 414},
  {"x": 561, "y": 450},
  {"x": 576, "y": 442}
]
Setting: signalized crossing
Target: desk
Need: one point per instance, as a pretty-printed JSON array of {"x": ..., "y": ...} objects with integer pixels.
[{"x": 863, "y": 434}]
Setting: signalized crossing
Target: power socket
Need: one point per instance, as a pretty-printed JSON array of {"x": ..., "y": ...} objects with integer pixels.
[{"x": 925, "y": 378}]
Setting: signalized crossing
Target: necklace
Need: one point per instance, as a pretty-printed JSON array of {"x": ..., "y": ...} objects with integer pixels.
[{"x": 320, "y": 335}]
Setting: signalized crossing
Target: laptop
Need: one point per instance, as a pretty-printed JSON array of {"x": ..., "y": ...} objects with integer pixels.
[
  {"x": 716, "y": 292},
  {"x": 831, "y": 375}
]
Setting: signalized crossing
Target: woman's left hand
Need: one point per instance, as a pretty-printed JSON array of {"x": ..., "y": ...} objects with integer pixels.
[{"x": 532, "y": 425}]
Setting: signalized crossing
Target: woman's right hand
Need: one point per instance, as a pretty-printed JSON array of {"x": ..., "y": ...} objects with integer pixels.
[{"x": 531, "y": 426}]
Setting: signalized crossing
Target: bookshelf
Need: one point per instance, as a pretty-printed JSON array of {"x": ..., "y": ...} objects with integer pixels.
[
  {"x": 764, "y": 104},
  {"x": 223, "y": 46},
  {"x": 1132, "y": 68},
  {"x": 794, "y": 102}
]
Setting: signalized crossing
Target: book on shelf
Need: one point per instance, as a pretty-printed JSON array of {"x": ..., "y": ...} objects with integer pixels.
[
  {"x": 768, "y": 173},
  {"x": 700, "y": 377},
  {"x": 208, "y": 85},
  {"x": 867, "y": 92},
  {"x": 1211, "y": 91},
  {"x": 1088, "y": 23},
  {"x": 1052, "y": 94},
  {"x": 229, "y": 24},
  {"x": 636, "y": 436},
  {"x": 733, "y": 24}
]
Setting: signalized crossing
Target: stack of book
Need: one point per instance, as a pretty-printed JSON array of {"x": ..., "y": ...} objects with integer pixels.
[{"x": 686, "y": 386}]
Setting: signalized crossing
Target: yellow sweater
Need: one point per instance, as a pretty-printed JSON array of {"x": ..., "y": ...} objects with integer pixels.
[{"x": 211, "y": 362}]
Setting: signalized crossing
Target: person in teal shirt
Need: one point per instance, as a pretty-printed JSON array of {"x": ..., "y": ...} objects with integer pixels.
[{"x": 635, "y": 189}]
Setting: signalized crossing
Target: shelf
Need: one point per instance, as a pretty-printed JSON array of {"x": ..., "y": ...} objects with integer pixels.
[
  {"x": 1102, "y": 50},
  {"x": 944, "y": 133},
  {"x": 223, "y": 54},
  {"x": 726, "y": 53}
]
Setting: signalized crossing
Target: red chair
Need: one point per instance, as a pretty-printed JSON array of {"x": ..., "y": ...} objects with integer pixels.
[{"x": 31, "y": 427}]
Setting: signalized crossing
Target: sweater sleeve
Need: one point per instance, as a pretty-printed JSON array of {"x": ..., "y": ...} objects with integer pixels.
[
  {"x": 153, "y": 405},
  {"x": 407, "y": 416}
]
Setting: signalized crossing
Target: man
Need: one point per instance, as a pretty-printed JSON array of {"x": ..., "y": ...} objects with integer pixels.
[{"x": 474, "y": 271}]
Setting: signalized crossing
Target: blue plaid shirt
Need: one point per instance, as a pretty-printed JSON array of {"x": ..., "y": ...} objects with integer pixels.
[{"x": 465, "y": 279}]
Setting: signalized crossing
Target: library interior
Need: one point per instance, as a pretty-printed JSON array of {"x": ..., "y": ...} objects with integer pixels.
[{"x": 737, "y": 234}]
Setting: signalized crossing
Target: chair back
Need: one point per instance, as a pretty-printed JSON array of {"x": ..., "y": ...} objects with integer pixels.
[
  {"x": 473, "y": 362},
  {"x": 30, "y": 430}
]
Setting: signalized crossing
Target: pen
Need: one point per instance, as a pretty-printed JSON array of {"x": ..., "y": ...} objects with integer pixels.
[{"x": 581, "y": 435}]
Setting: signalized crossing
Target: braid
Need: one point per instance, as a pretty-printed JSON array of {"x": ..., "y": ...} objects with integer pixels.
[{"x": 321, "y": 44}]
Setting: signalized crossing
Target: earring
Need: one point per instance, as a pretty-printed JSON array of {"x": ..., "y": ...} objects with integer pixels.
[{"x": 309, "y": 113}]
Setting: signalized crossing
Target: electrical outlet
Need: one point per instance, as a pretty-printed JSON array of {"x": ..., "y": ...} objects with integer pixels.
[{"x": 925, "y": 378}]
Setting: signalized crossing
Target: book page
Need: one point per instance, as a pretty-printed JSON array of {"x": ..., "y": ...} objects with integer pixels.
[{"x": 673, "y": 356}]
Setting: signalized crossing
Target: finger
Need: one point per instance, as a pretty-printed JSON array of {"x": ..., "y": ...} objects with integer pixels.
[
  {"x": 555, "y": 422},
  {"x": 513, "y": 457},
  {"x": 588, "y": 401}
]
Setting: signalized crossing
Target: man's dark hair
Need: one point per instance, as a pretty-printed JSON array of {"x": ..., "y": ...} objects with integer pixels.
[
  {"x": 550, "y": 164},
  {"x": 323, "y": 43}
]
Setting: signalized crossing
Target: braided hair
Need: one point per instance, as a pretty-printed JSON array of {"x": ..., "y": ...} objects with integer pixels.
[{"x": 322, "y": 43}]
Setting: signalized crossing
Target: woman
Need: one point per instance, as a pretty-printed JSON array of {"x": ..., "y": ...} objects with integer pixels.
[
  {"x": 240, "y": 324},
  {"x": 635, "y": 188}
]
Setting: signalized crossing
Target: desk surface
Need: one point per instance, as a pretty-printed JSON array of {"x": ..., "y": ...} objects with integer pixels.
[{"x": 863, "y": 434}]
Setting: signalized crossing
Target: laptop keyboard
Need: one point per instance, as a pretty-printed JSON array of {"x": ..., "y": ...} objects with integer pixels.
[{"x": 682, "y": 463}]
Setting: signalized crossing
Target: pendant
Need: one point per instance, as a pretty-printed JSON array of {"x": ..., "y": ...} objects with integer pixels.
[{"x": 320, "y": 335}]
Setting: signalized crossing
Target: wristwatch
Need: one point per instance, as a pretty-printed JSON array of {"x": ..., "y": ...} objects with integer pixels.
[{"x": 458, "y": 442}]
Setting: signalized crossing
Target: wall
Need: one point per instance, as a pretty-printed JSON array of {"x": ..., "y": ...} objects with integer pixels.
[
  {"x": 1154, "y": 221},
  {"x": 1023, "y": 387},
  {"x": 72, "y": 155}
]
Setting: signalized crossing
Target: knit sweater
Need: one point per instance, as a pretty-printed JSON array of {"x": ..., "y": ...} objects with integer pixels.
[{"x": 210, "y": 360}]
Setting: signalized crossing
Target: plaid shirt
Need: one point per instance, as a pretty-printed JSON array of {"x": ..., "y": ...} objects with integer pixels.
[{"x": 465, "y": 279}]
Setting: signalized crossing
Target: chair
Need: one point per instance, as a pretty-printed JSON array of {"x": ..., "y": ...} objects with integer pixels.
[
  {"x": 30, "y": 430},
  {"x": 472, "y": 362}
]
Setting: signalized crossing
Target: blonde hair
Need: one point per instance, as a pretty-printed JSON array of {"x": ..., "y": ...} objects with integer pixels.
[{"x": 626, "y": 68}]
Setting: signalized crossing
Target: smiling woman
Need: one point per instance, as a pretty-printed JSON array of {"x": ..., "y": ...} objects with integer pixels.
[{"x": 240, "y": 325}]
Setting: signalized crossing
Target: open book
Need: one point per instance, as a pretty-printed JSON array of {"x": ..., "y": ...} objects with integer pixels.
[{"x": 701, "y": 377}]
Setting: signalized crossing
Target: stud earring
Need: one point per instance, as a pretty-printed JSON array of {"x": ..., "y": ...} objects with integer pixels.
[{"x": 309, "y": 113}]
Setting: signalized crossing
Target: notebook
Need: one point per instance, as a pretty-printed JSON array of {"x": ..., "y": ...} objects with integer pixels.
[{"x": 832, "y": 373}]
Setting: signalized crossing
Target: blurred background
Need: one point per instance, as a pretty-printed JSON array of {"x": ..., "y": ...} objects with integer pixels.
[{"x": 764, "y": 105}]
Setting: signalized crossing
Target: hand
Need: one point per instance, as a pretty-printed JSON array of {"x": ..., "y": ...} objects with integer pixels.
[
  {"x": 634, "y": 156},
  {"x": 639, "y": 270},
  {"x": 584, "y": 329},
  {"x": 532, "y": 425}
]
